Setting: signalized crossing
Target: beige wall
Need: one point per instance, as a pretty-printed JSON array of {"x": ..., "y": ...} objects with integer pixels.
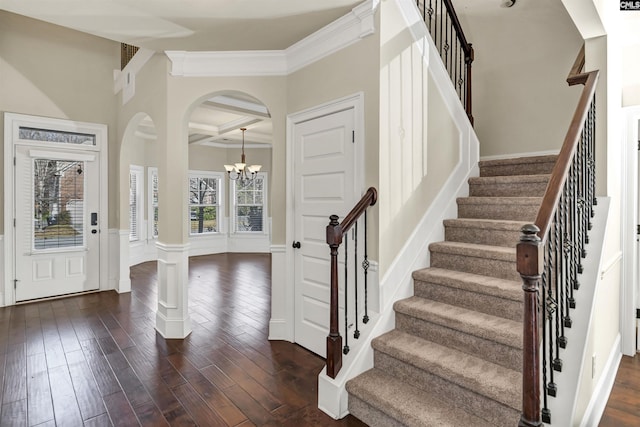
[
  {"x": 349, "y": 71},
  {"x": 521, "y": 102},
  {"x": 50, "y": 71},
  {"x": 419, "y": 141},
  {"x": 149, "y": 102}
]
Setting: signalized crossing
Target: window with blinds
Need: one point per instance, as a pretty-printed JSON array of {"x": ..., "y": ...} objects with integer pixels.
[
  {"x": 153, "y": 202},
  {"x": 249, "y": 210},
  {"x": 205, "y": 196},
  {"x": 135, "y": 201}
]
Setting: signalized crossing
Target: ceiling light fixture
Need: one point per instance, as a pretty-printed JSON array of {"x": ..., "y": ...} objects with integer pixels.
[{"x": 240, "y": 171}]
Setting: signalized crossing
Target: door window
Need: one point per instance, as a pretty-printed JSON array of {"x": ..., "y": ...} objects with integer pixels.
[{"x": 58, "y": 204}]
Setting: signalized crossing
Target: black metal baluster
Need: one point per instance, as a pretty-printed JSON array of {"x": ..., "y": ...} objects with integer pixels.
[
  {"x": 566, "y": 320},
  {"x": 573, "y": 208},
  {"x": 442, "y": 12},
  {"x": 365, "y": 267},
  {"x": 346, "y": 349},
  {"x": 560, "y": 259},
  {"x": 592, "y": 126},
  {"x": 551, "y": 307},
  {"x": 545, "y": 284},
  {"x": 356, "y": 333},
  {"x": 561, "y": 340}
]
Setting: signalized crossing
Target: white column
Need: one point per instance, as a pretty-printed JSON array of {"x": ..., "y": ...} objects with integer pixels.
[
  {"x": 124, "y": 280},
  {"x": 172, "y": 315},
  {"x": 282, "y": 309}
]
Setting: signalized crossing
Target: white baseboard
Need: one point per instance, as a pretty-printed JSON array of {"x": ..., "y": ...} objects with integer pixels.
[{"x": 600, "y": 395}]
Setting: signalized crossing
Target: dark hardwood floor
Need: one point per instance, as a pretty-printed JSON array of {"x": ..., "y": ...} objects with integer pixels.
[
  {"x": 96, "y": 360},
  {"x": 623, "y": 406}
]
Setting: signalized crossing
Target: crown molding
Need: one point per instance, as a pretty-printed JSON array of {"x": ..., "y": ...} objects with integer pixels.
[{"x": 354, "y": 26}]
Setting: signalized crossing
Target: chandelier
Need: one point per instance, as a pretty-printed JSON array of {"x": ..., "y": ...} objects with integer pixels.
[{"x": 240, "y": 171}]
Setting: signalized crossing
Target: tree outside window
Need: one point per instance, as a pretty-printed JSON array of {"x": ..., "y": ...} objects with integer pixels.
[
  {"x": 249, "y": 205},
  {"x": 204, "y": 203}
]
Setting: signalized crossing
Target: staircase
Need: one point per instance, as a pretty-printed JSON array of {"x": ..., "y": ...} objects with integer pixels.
[{"x": 455, "y": 356}]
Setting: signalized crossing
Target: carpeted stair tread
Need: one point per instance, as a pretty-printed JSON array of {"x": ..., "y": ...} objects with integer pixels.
[
  {"x": 507, "y": 289},
  {"x": 496, "y": 232},
  {"x": 508, "y": 186},
  {"x": 407, "y": 404},
  {"x": 509, "y": 208},
  {"x": 518, "y": 166},
  {"x": 493, "y": 224},
  {"x": 483, "y": 377},
  {"x": 475, "y": 250},
  {"x": 500, "y": 232},
  {"x": 492, "y": 328},
  {"x": 494, "y": 261}
]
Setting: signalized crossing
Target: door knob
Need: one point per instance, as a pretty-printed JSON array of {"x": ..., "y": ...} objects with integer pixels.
[{"x": 296, "y": 245}]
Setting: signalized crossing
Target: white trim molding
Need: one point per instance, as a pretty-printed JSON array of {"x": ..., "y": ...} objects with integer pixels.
[
  {"x": 12, "y": 124},
  {"x": 281, "y": 322},
  {"x": 172, "y": 315},
  {"x": 601, "y": 393},
  {"x": 354, "y": 26},
  {"x": 125, "y": 80}
]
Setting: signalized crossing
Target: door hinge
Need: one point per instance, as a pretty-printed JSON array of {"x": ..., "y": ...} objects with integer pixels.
[
  {"x": 638, "y": 229},
  {"x": 14, "y": 223},
  {"x": 15, "y": 284},
  {"x": 14, "y": 158},
  {"x": 637, "y": 313},
  {"x": 353, "y": 136}
]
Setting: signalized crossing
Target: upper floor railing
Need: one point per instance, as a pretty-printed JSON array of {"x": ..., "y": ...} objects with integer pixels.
[
  {"x": 456, "y": 52},
  {"x": 550, "y": 254},
  {"x": 335, "y": 233},
  {"x": 127, "y": 52}
]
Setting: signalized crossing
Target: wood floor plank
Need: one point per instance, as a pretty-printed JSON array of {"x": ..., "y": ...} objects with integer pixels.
[
  {"x": 99, "y": 421},
  {"x": 14, "y": 414},
  {"x": 87, "y": 392},
  {"x": 106, "y": 364},
  {"x": 15, "y": 372},
  {"x": 120, "y": 410},
  {"x": 215, "y": 398},
  {"x": 65, "y": 406},
  {"x": 105, "y": 379},
  {"x": 197, "y": 408},
  {"x": 623, "y": 406},
  {"x": 39, "y": 399}
]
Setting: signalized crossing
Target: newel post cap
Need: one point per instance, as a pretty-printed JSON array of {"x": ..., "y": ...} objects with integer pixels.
[{"x": 529, "y": 254}]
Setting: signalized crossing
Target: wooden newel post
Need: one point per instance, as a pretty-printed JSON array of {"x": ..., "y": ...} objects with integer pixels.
[
  {"x": 334, "y": 340},
  {"x": 530, "y": 265}
]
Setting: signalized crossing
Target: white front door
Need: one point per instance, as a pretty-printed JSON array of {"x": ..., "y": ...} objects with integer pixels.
[
  {"x": 324, "y": 181},
  {"x": 57, "y": 238}
]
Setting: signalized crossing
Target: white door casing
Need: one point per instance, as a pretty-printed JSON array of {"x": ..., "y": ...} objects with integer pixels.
[
  {"x": 325, "y": 183},
  {"x": 56, "y": 259},
  {"x": 73, "y": 261}
]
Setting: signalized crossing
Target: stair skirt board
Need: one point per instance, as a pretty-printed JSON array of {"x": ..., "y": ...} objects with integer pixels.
[{"x": 455, "y": 355}]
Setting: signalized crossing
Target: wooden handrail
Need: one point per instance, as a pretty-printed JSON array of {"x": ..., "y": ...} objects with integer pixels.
[
  {"x": 561, "y": 168},
  {"x": 466, "y": 46},
  {"x": 335, "y": 231},
  {"x": 451, "y": 52},
  {"x": 575, "y": 74},
  {"x": 369, "y": 199},
  {"x": 530, "y": 251}
]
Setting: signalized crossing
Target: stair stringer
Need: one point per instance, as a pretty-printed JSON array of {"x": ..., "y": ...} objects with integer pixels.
[{"x": 397, "y": 282}]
